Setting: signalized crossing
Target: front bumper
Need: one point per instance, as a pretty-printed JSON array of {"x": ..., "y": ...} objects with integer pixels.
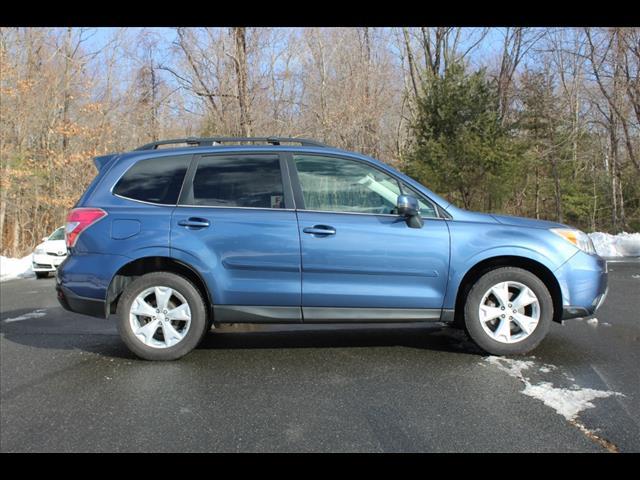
[
  {"x": 584, "y": 283},
  {"x": 43, "y": 262}
]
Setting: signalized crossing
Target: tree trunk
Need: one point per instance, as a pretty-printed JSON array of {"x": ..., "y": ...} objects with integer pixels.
[
  {"x": 595, "y": 199},
  {"x": 537, "y": 194},
  {"x": 3, "y": 213},
  {"x": 370, "y": 134},
  {"x": 66, "y": 100},
  {"x": 556, "y": 185},
  {"x": 240, "y": 61},
  {"x": 412, "y": 67},
  {"x": 613, "y": 171},
  {"x": 15, "y": 247},
  {"x": 154, "y": 103}
]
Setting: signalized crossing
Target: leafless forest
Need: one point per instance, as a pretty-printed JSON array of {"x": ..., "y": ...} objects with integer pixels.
[{"x": 567, "y": 104}]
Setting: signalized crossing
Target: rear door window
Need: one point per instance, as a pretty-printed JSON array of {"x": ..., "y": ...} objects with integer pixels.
[
  {"x": 253, "y": 181},
  {"x": 155, "y": 180}
]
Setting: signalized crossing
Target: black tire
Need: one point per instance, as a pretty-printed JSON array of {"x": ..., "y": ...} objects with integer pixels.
[
  {"x": 199, "y": 320},
  {"x": 42, "y": 274},
  {"x": 473, "y": 325}
]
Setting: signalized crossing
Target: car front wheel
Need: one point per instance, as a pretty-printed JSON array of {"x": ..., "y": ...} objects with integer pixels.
[
  {"x": 508, "y": 311},
  {"x": 161, "y": 316}
]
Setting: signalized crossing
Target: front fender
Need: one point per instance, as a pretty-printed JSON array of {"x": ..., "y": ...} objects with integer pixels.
[
  {"x": 473, "y": 242},
  {"x": 459, "y": 270}
]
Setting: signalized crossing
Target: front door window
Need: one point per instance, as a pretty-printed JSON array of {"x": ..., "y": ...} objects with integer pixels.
[{"x": 340, "y": 185}]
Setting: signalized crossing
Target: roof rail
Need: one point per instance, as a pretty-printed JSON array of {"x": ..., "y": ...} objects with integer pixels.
[{"x": 209, "y": 141}]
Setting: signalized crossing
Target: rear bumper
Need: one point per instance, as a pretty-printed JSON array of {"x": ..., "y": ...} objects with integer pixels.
[
  {"x": 82, "y": 282},
  {"x": 584, "y": 283},
  {"x": 75, "y": 303}
]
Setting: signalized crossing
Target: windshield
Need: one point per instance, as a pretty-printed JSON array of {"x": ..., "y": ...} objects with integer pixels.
[{"x": 58, "y": 234}]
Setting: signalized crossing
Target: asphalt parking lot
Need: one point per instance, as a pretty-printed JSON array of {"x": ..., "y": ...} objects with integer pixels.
[{"x": 68, "y": 384}]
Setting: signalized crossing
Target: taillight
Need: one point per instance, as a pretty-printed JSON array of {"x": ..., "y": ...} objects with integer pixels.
[{"x": 78, "y": 220}]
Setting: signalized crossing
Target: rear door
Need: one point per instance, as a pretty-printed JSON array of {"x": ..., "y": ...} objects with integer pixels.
[{"x": 235, "y": 221}]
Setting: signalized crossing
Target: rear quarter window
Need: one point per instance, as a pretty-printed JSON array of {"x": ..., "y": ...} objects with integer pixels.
[{"x": 155, "y": 180}]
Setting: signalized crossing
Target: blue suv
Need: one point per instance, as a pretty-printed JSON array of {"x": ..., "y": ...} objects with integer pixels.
[{"x": 181, "y": 235}]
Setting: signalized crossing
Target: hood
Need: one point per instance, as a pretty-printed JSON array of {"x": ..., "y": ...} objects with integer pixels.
[
  {"x": 527, "y": 222},
  {"x": 54, "y": 246}
]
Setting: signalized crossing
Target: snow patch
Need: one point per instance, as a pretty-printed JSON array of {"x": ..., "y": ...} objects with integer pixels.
[
  {"x": 547, "y": 368},
  {"x": 11, "y": 268},
  {"x": 35, "y": 314},
  {"x": 593, "y": 322},
  {"x": 621, "y": 245},
  {"x": 510, "y": 366},
  {"x": 568, "y": 402}
]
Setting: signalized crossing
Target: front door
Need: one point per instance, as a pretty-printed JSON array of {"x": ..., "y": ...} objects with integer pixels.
[{"x": 357, "y": 254}]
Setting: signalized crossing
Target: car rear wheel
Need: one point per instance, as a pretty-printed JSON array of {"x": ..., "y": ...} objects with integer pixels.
[
  {"x": 508, "y": 311},
  {"x": 161, "y": 316}
]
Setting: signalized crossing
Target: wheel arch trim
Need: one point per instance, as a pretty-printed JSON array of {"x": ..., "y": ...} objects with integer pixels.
[
  {"x": 149, "y": 264},
  {"x": 461, "y": 281}
]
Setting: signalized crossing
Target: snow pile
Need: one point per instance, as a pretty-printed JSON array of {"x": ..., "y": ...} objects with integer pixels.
[
  {"x": 622, "y": 245},
  {"x": 15, "y": 268}
]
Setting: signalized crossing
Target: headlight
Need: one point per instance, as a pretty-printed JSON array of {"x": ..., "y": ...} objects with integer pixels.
[
  {"x": 39, "y": 251},
  {"x": 577, "y": 238}
]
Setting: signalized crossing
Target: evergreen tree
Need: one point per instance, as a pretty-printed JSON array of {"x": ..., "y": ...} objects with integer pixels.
[{"x": 460, "y": 148}]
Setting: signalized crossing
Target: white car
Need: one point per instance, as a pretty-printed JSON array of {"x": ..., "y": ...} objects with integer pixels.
[{"x": 49, "y": 254}]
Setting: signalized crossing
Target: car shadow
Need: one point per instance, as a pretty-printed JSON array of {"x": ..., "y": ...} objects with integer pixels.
[
  {"x": 420, "y": 336},
  {"x": 61, "y": 330}
]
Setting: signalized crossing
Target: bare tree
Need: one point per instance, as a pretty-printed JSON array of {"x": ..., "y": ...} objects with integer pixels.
[{"x": 240, "y": 63}]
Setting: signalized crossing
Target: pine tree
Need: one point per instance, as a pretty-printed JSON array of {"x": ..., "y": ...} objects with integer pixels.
[{"x": 460, "y": 149}]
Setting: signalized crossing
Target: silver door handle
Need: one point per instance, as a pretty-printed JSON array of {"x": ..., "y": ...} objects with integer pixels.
[
  {"x": 320, "y": 230},
  {"x": 194, "y": 222}
]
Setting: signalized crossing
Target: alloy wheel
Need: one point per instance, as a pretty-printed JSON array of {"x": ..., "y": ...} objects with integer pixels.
[
  {"x": 160, "y": 317},
  {"x": 509, "y": 312}
]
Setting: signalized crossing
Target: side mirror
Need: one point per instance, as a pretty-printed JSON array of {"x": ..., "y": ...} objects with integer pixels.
[{"x": 409, "y": 208}]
